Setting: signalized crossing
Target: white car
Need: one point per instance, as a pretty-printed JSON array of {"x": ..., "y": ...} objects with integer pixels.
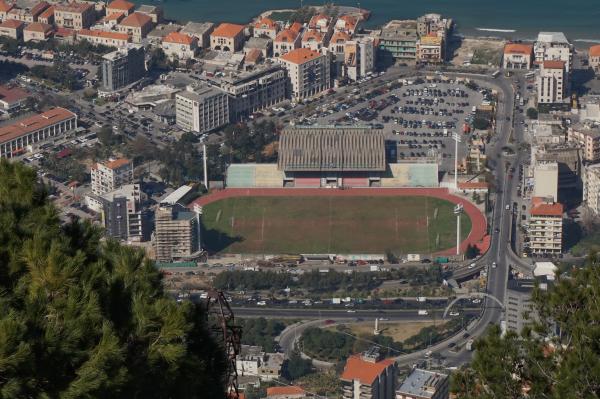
[
  {"x": 453, "y": 314},
  {"x": 350, "y": 311},
  {"x": 476, "y": 300},
  {"x": 472, "y": 265},
  {"x": 508, "y": 207},
  {"x": 494, "y": 265}
]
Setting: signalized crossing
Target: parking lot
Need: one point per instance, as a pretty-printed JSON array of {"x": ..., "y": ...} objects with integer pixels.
[{"x": 419, "y": 116}]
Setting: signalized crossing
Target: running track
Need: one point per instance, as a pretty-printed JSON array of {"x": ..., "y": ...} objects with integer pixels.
[{"x": 477, "y": 236}]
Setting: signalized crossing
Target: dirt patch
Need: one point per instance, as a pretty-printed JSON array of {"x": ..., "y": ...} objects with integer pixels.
[
  {"x": 479, "y": 52},
  {"x": 398, "y": 331}
]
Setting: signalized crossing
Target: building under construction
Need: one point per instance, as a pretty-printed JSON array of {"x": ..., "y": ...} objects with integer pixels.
[{"x": 177, "y": 233}]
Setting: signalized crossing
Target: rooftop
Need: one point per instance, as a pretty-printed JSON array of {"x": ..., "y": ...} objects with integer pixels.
[
  {"x": 552, "y": 64},
  {"x": 258, "y": 42},
  {"x": 594, "y": 51},
  {"x": 179, "y": 38},
  {"x": 200, "y": 92},
  {"x": 431, "y": 40},
  {"x": 47, "y": 12},
  {"x": 127, "y": 190},
  {"x": 197, "y": 28},
  {"x": 12, "y": 24},
  {"x": 228, "y": 30},
  {"x": 38, "y": 27},
  {"x": 364, "y": 371},
  {"x": 422, "y": 383},
  {"x": 312, "y": 36},
  {"x": 148, "y": 9},
  {"x": 265, "y": 23},
  {"x": 103, "y": 34},
  {"x": 73, "y": 7},
  {"x": 117, "y": 163},
  {"x": 518, "y": 48},
  {"x": 5, "y": 7},
  {"x": 340, "y": 37},
  {"x": 540, "y": 208},
  {"x": 291, "y": 390},
  {"x": 12, "y": 95},
  {"x": 552, "y": 37},
  {"x": 287, "y": 35},
  {"x": 521, "y": 285},
  {"x": 34, "y": 123},
  {"x": 588, "y": 128},
  {"x": 300, "y": 55},
  {"x": 123, "y": 5},
  {"x": 136, "y": 20}
]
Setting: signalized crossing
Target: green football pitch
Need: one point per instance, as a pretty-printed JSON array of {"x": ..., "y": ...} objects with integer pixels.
[{"x": 292, "y": 225}]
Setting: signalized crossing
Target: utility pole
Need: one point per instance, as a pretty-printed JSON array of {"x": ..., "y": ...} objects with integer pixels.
[
  {"x": 205, "y": 170},
  {"x": 457, "y": 140},
  {"x": 458, "y": 210}
]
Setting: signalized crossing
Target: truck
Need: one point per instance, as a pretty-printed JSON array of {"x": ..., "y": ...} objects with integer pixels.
[
  {"x": 336, "y": 301},
  {"x": 413, "y": 257},
  {"x": 423, "y": 312},
  {"x": 469, "y": 345},
  {"x": 442, "y": 259}
]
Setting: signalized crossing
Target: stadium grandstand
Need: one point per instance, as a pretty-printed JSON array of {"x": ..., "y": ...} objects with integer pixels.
[{"x": 333, "y": 156}]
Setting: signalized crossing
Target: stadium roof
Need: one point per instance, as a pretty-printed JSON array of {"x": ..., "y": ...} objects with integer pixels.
[{"x": 328, "y": 148}]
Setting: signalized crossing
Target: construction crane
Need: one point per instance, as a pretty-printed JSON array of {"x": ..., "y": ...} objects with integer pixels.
[{"x": 223, "y": 326}]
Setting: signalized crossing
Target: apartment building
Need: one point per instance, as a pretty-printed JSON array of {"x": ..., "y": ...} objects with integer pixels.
[
  {"x": 180, "y": 46},
  {"x": 109, "y": 176},
  {"x": 112, "y": 39},
  {"x": 26, "y": 133},
  {"x": 517, "y": 56},
  {"x": 37, "y": 32},
  {"x": 12, "y": 98},
  {"x": 321, "y": 23},
  {"x": 308, "y": 71},
  {"x": 545, "y": 226},
  {"x": 518, "y": 304},
  {"x": 12, "y": 28},
  {"x": 154, "y": 12},
  {"x": 202, "y": 108},
  {"x": 137, "y": 25},
  {"x": 253, "y": 91},
  {"x": 430, "y": 49},
  {"x": 315, "y": 40},
  {"x": 121, "y": 213},
  {"x": 433, "y": 24},
  {"x": 591, "y": 187},
  {"x": 367, "y": 376},
  {"x": 347, "y": 24},
  {"x": 553, "y": 46},
  {"x": 253, "y": 361},
  {"x": 27, "y": 14},
  {"x": 398, "y": 39},
  {"x": 586, "y": 135},
  {"x": 545, "y": 176},
  {"x": 199, "y": 30},
  {"x": 552, "y": 82},
  {"x": 120, "y": 7},
  {"x": 123, "y": 67},
  {"x": 266, "y": 27},
  {"x": 227, "y": 37},
  {"x": 176, "y": 234},
  {"x": 424, "y": 384},
  {"x": 74, "y": 15},
  {"x": 594, "y": 58},
  {"x": 569, "y": 159},
  {"x": 287, "y": 40},
  {"x": 360, "y": 57}
]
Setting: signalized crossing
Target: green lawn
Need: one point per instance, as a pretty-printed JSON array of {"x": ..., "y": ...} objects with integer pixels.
[{"x": 278, "y": 225}]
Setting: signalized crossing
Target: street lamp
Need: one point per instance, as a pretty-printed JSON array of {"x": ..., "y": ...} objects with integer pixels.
[
  {"x": 457, "y": 140},
  {"x": 458, "y": 210}
]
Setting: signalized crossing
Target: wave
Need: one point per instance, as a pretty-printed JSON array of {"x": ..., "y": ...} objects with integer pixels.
[
  {"x": 496, "y": 30},
  {"x": 587, "y": 40}
]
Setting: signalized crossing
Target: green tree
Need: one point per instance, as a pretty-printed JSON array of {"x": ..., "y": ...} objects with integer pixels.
[
  {"x": 472, "y": 252},
  {"x": 532, "y": 113},
  {"x": 82, "y": 318},
  {"x": 296, "y": 367},
  {"x": 481, "y": 123}
]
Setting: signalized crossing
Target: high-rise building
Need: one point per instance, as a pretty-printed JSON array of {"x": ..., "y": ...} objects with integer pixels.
[
  {"x": 176, "y": 234},
  {"x": 545, "y": 226},
  {"x": 123, "y": 67},
  {"x": 518, "y": 302},
  {"x": 424, "y": 384},
  {"x": 122, "y": 214},
  {"x": 109, "y": 176},
  {"x": 398, "y": 39},
  {"x": 552, "y": 82},
  {"x": 545, "y": 176},
  {"x": 367, "y": 376},
  {"x": 201, "y": 108},
  {"x": 553, "y": 46},
  {"x": 309, "y": 72},
  {"x": 591, "y": 187},
  {"x": 587, "y": 137}
]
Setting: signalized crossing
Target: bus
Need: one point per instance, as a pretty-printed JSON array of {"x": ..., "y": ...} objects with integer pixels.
[
  {"x": 496, "y": 74},
  {"x": 529, "y": 75}
]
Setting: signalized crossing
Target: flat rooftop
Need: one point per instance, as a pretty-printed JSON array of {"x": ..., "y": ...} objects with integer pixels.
[{"x": 422, "y": 383}]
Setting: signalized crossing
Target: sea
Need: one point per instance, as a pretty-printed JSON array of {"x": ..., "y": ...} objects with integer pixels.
[{"x": 513, "y": 19}]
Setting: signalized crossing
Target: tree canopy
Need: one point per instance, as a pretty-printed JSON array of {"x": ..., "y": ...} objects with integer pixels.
[
  {"x": 81, "y": 318},
  {"x": 557, "y": 357}
]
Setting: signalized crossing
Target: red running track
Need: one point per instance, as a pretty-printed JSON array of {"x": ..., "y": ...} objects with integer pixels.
[{"x": 477, "y": 236}]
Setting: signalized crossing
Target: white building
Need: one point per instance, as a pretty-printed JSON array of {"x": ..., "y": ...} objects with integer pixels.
[
  {"x": 359, "y": 57},
  {"x": 309, "y": 72},
  {"x": 553, "y": 46},
  {"x": 109, "y": 176},
  {"x": 424, "y": 384},
  {"x": 545, "y": 226},
  {"x": 552, "y": 82},
  {"x": 545, "y": 176},
  {"x": 180, "y": 46},
  {"x": 253, "y": 361},
  {"x": 517, "y": 56},
  {"x": 591, "y": 187},
  {"x": 202, "y": 108}
]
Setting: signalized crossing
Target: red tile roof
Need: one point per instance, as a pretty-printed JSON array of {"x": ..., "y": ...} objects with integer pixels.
[
  {"x": 287, "y": 36},
  {"x": 266, "y": 23},
  {"x": 316, "y": 19},
  {"x": 121, "y": 5},
  {"x": 349, "y": 21},
  {"x": 312, "y": 35},
  {"x": 594, "y": 51},
  {"x": 296, "y": 27},
  {"x": 549, "y": 64},
  {"x": 518, "y": 48},
  {"x": 12, "y": 95},
  {"x": 228, "y": 30},
  {"x": 73, "y": 7},
  {"x": 5, "y": 7},
  {"x": 253, "y": 56},
  {"x": 48, "y": 12},
  {"x": 34, "y": 123},
  {"x": 38, "y": 27},
  {"x": 117, "y": 163},
  {"x": 300, "y": 55},
  {"x": 136, "y": 20},
  {"x": 115, "y": 16},
  {"x": 363, "y": 371},
  {"x": 545, "y": 209},
  {"x": 12, "y": 24},
  {"x": 179, "y": 38},
  {"x": 103, "y": 34},
  {"x": 63, "y": 32},
  {"x": 291, "y": 390},
  {"x": 39, "y": 8},
  {"x": 339, "y": 37}
]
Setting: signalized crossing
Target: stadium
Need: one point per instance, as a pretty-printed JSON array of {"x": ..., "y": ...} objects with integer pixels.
[
  {"x": 337, "y": 190},
  {"x": 334, "y": 157}
]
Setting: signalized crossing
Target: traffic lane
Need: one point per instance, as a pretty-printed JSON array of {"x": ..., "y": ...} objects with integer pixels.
[{"x": 395, "y": 314}]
